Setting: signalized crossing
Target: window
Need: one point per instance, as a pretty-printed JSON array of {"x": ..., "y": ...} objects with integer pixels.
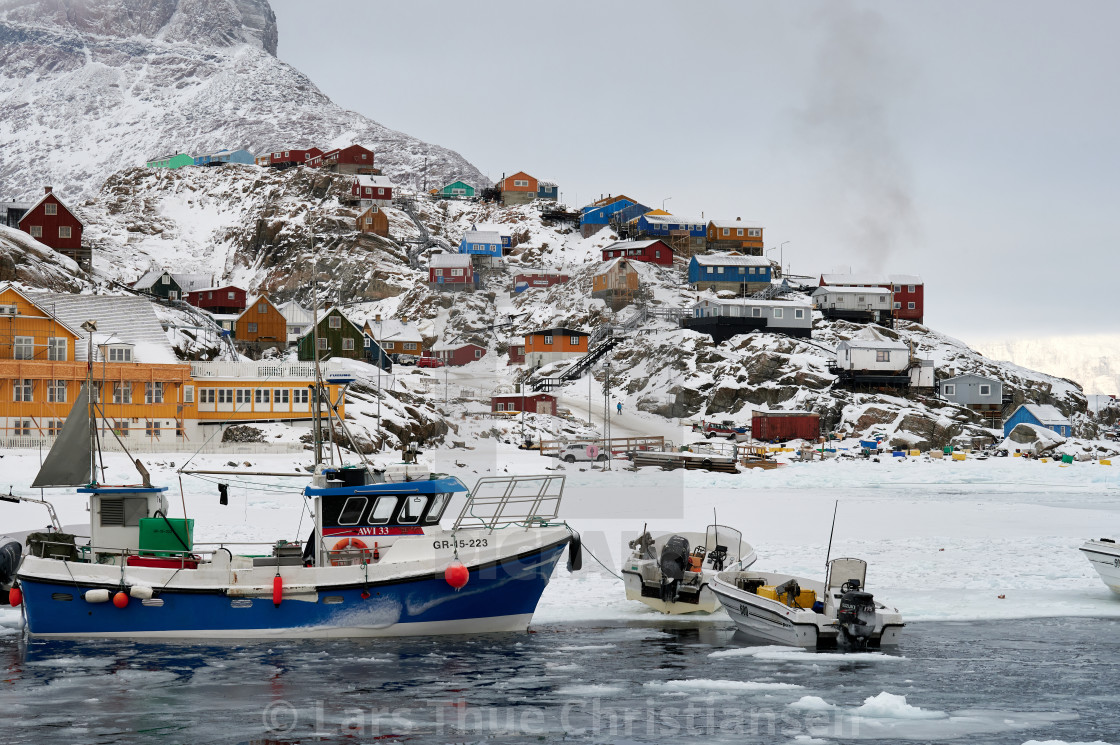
[
  {"x": 547, "y": 339},
  {"x": 282, "y": 396},
  {"x": 172, "y": 295},
  {"x": 262, "y": 307},
  {"x": 752, "y": 270},
  {"x": 719, "y": 270},
  {"x": 56, "y": 391},
  {"x": 121, "y": 427},
  {"x": 252, "y": 328},
  {"x": 122, "y": 393},
  {"x": 383, "y": 509},
  {"x": 520, "y": 182},
  {"x": 36, "y": 231},
  {"x": 409, "y": 346},
  {"x": 910, "y": 306},
  {"x": 352, "y": 510},
  {"x": 230, "y": 296},
  {"x": 439, "y": 503},
  {"x": 367, "y": 342},
  {"x": 909, "y": 288},
  {"x": 949, "y": 389},
  {"x": 206, "y": 395},
  {"x": 985, "y": 389},
  {"x": 54, "y": 427},
  {"x": 456, "y": 272},
  {"x": 738, "y": 232},
  {"x": 151, "y": 429},
  {"x": 478, "y": 354},
  {"x": 322, "y": 345},
  {"x": 22, "y": 390},
  {"x": 754, "y": 232},
  {"x": 369, "y": 221},
  {"x": 799, "y": 313},
  {"x": 225, "y": 395},
  {"x": 50, "y": 209},
  {"x": 411, "y": 509},
  {"x": 380, "y": 192},
  {"x": 882, "y": 298},
  {"x": 243, "y": 396},
  {"x": 778, "y": 312},
  {"x": 262, "y": 396},
  {"x": 63, "y": 231},
  {"x": 188, "y": 394},
  {"x": 756, "y": 312},
  {"x": 727, "y": 231},
  {"x": 56, "y": 349},
  {"x": 882, "y": 355},
  {"x": 301, "y": 395},
  {"x": 898, "y": 288},
  {"x": 335, "y": 322},
  {"x": 120, "y": 354},
  {"x": 22, "y": 428},
  {"x": 897, "y": 306},
  {"x": 24, "y": 347},
  {"x": 165, "y": 280},
  {"x": 347, "y": 345},
  {"x": 439, "y": 272},
  {"x": 575, "y": 341}
]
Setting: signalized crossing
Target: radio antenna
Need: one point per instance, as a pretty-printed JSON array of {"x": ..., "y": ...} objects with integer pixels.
[{"x": 828, "y": 553}]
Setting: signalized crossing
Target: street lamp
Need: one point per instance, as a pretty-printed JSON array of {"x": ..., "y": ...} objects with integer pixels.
[
  {"x": 663, "y": 201},
  {"x": 782, "y": 256}
]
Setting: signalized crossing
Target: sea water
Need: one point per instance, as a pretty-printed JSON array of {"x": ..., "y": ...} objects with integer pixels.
[{"x": 990, "y": 682}]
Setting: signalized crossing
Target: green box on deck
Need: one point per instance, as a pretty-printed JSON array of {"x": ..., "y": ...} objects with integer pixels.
[{"x": 157, "y": 538}]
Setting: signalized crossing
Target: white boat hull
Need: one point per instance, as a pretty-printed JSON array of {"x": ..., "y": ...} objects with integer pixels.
[
  {"x": 707, "y": 602},
  {"x": 1105, "y": 558}
]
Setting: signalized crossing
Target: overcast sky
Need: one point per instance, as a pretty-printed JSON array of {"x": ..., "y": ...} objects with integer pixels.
[{"x": 974, "y": 143}]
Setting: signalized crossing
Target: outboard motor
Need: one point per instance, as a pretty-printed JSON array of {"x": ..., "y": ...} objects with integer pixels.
[
  {"x": 10, "y": 552},
  {"x": 856, "y": 616},
  {"x": 673, "y": 563}
]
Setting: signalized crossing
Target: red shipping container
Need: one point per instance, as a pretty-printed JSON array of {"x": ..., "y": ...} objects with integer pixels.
[{"x": 785, "y": 425}]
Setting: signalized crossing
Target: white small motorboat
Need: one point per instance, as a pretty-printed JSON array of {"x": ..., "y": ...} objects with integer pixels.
[
  {"x": 799, "y": 612},
  {"x": 1104, "y": 555},
  {"x": 671, "y": 572}
]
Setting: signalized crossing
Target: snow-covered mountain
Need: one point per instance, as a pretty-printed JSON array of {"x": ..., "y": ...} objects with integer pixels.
[
  {"x": 90, "y": 87},
  {"x": 1093, "y": 361}
]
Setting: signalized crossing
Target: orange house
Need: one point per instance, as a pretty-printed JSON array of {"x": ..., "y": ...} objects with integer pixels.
[
  {"x": 735, "y": 235},
  {"x": 43, "y": 366},
  {"x": 520, "y": 188},
  {"x": 553, "y": 345},
  {"x": 261, "y": 323}
]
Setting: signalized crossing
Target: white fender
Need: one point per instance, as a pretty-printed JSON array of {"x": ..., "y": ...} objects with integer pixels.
[
  {"x": 140, "y": 592},
  {"x": 97, "y": 596}
]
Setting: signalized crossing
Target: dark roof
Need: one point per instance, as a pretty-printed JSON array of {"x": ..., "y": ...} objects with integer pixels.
[{"x": 557, "y": 332}]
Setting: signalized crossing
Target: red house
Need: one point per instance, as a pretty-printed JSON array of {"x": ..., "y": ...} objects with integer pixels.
[
  {"x": 909, "y": 297},
  {"x": 226, "y": 299},
  {"x": 352, "y": 159},
  {"x": 539, "y": 403},
  {"x": 529, "y": 278},
  {"x": 655, "y": 251},
  {"x": 376, "y": 189},
  {"x": 53, "y": 224},
  {"x": 289, "y": 158},
  {"x": 457, "y": 356},
  {"x": 516, "y": 353}
]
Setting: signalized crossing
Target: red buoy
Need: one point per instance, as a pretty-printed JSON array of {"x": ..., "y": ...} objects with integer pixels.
[
  {"x": 15, "y": 597},
  {"x": 277, "y": 590},
  {"x": 456, "y": 575},
  {"x": 120, "y": 599}
]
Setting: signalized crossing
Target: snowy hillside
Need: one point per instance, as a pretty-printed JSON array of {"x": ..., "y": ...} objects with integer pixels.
[{"x": 88, "y": 88}]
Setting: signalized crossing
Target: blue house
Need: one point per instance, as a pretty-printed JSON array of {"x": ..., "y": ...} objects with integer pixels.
[
  {"x": 481, "y": 243},
  {"x": 733, "y": 272},
  {"x": 549, "y": 190},
  {"x": 662, "y": 226},
  {"x": 1040, "y": 415},
  {"x": 225, "y": 156},
  {"x": 597, "y": 215},
  {"x": 501, "y": 230}
]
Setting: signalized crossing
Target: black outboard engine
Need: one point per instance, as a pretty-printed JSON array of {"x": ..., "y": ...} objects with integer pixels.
[
  {"x": 718, "y": 557},
  {"x": 856, "y": 616},
  {"x": 673, "y": 563},
  {"x": 10, "y": 552}
]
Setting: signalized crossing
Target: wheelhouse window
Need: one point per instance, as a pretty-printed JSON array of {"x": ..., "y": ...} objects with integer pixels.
[
  {"x": 352, "y": 510},
  {"x": 383, "y": 509},
  {"x": 439, "y": 504},
  {"x": 411, "y": 510}
]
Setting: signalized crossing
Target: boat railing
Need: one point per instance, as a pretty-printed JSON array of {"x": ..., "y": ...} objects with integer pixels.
[
  {"x": 88, "y": 554},
  {"x": 500, "y": 501}
]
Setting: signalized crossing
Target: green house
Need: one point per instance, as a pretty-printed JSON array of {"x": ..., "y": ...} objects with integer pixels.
[
  {"x": 172, "y": 161},
  {"x": 338, "y": 337},
  {"x": 457, "y": 190}
]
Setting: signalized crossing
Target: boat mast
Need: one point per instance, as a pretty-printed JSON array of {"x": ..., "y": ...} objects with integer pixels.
[
  {"x": 91, "y": 409},
  {"x": 316, "y": 416}
]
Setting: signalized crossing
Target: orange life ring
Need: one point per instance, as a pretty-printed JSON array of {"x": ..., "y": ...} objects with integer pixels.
[{"x": 349, "y": 543}]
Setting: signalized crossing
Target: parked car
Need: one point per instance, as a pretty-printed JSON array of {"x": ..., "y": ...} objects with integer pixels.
[
  {"x": 405, "y": 359},
  {"x": 722, "y": 429},
  {"x": 430, "y": 362},
  {"x": 584, "y": 451}
]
